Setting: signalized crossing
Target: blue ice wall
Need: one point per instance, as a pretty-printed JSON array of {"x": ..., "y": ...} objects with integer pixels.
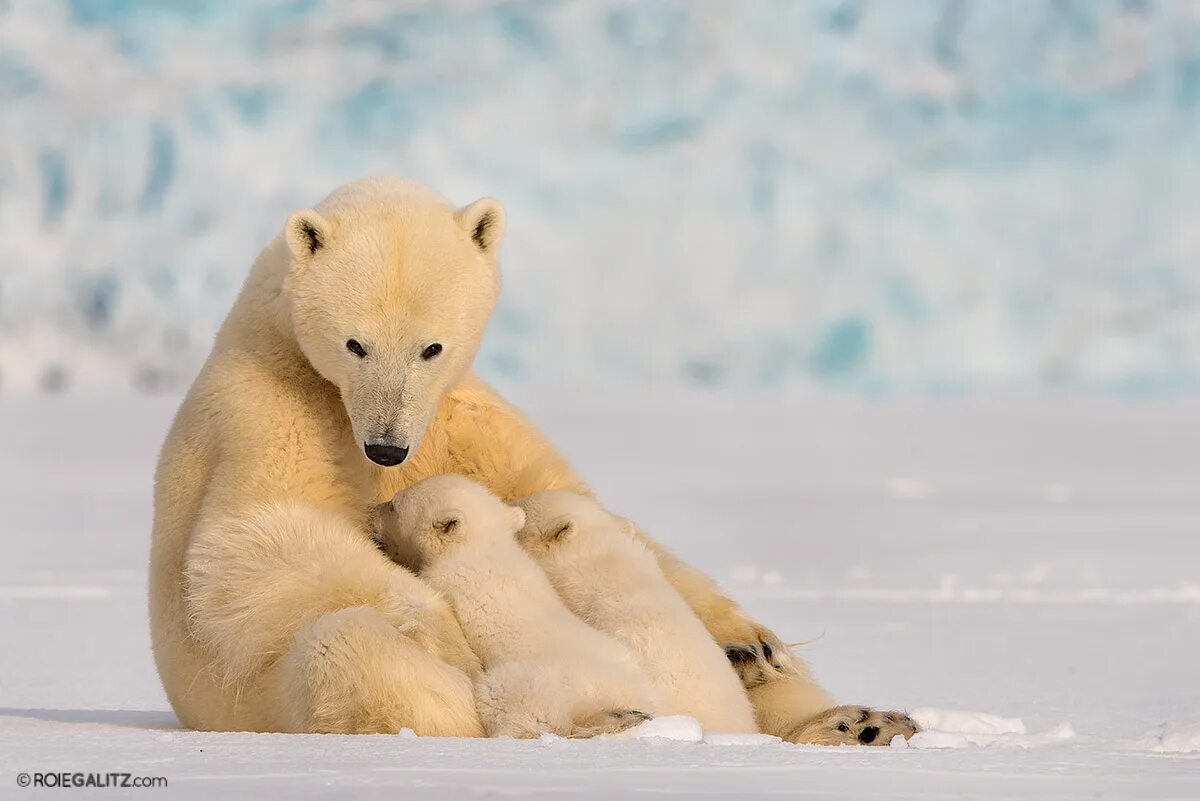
[{"x": 886, "y": 197}]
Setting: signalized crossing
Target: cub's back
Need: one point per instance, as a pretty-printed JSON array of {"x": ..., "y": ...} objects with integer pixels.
[
  {"x": 510, "y": 611},
  {"x": 614, "y": 583}
]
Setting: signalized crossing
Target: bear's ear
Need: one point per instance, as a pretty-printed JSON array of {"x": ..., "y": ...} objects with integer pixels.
[
  {"x": 559, "y": 529},
  {"x": 448, "y": 524},
  {"x": 484, "y": 221},
  {"x": 516, "y": 518},
  {"x": 306, "y": 232}
]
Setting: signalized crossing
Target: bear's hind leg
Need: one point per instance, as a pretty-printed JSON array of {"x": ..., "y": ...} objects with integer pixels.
[
  {"x": 352, "y": 672},
  {"x": 314, "y": 630},
  {"x": 522, "y": 700}
]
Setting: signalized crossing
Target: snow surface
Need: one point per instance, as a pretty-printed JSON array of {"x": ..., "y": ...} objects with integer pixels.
[
  {"x": 1174, "y": 737},
  {"x": 959, "y": 721},
  {"x": 953, "y": 738},
  {"x": 680, "y": 728},
  {"x": 954, "y": 728},
  {"x": 1036, "y": 560},
  {"x": 882, "y": 195}
]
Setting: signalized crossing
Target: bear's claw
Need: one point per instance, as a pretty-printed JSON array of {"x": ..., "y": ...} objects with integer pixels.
[
  {"x": 758, "y": 662},
  {"x": 608, "y": 722}
]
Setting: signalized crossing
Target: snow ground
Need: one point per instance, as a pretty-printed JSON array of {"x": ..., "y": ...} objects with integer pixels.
[{"x": 1037, "y": 560}]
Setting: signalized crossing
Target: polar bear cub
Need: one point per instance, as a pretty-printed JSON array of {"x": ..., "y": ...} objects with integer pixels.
[
  {"x": 606, "y": 576},
  {"x": 544, "y": 669}
]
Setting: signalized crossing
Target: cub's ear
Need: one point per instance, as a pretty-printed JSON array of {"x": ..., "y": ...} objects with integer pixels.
[
  {"x": 448, "y": 524},
  {"x": 559, "y": 529},
  {"x": 306, "y": 232},
  {"x": 484, "y": 220},
  {"x": 516, "y": 518}
]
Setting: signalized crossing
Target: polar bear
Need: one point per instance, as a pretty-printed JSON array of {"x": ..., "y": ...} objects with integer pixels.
[
  {"x": 544, "y": 669},
  {"x": 342, "y": 375},
  {"x": 611, "y": 580}
]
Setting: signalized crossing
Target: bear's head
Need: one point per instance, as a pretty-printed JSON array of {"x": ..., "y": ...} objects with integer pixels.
[
  {"x": 389, "y": 290},
  {"x": 565, "y": 524},
  {"x": 439, "y": 514}
]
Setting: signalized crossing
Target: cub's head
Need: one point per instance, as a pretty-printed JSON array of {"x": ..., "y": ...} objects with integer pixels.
[
  {"x": 389, "y": 289},
  {"x": 557, "y": 521},
  {"x": 439, "y": 514}
]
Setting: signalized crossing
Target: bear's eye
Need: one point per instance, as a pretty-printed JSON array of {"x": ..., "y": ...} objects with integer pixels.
[
  {"x": 355, "y": 348},
  {"x": 431, "y": 351}
]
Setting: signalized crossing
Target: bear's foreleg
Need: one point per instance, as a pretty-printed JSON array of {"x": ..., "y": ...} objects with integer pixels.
[{"x": 352, "y": 672}]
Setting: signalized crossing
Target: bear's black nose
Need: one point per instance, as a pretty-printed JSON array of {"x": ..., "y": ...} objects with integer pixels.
[{"x": 386, "y": 455}]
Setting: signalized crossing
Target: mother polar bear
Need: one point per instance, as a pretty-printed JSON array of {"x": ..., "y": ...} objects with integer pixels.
[{"x": 342, "y": 375}]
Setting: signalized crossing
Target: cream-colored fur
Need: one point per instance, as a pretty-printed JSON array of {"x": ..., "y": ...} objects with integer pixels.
[
  {"x": 360, "y": 614},
  {"x": 268, "y": 447},
  {"x": 544, "y": 669},
  {"x": 606, "y": 576}
]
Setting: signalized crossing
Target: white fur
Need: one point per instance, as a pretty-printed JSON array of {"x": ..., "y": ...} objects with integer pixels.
[
  {"x": 544, "y": 670},
  {"x": 612, "y": 581},
  {"x": 270, "y": 607},
  {"x": 265, "y": 465}
]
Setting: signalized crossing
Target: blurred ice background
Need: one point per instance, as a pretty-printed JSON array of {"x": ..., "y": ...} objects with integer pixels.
[{"x": 933, "y": 196}]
